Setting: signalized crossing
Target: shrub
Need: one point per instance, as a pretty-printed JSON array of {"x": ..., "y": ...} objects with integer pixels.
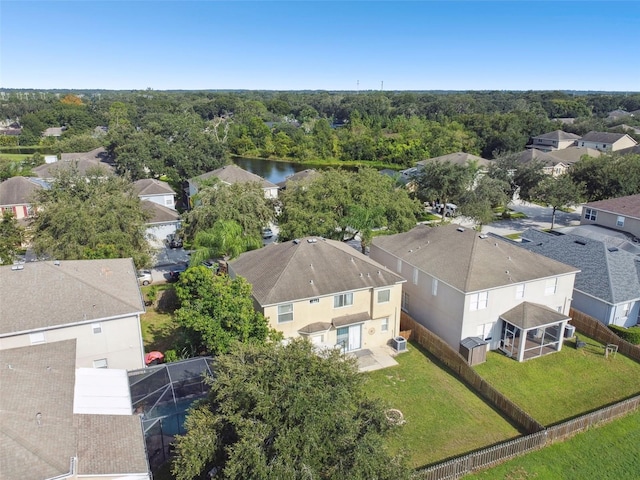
[{"x": 631, "y": 335}]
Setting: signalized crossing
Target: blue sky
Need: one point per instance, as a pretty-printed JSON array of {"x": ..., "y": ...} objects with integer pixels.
[{"x": 295, "y": 45}]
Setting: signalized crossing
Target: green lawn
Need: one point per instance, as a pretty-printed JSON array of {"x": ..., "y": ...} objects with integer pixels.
[
  {"x": 609, "y": 452},
  {"x": 443, "y": 417},
  {"x": 564, "y": 384},
  {"x": 158, "y": 328}
]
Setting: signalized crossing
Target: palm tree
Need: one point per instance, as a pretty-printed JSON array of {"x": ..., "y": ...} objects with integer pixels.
[{"x": 225, "y": 239}]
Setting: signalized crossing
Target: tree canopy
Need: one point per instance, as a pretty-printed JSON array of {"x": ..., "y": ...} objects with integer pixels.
[
  {"x": 557, "y": 192},
  {"x": 97, "y": 216},
  {"x": 225, "y": 239},
  {"x": 341, "y": 204},
  {"x": 285, "y": 411},
  {"x": 11, "y": 237},
  {"x": 216, "y": 310}
]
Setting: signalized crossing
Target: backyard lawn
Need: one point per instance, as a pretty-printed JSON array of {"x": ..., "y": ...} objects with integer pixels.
[
  {"x": 564, "y": 384},
  {"x": 158, "y": 329},
  {"x": 610, "y": 452},
  {"x": 443, "y": 417}
]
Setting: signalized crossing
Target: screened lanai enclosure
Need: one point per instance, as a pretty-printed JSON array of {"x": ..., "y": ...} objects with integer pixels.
[
  {"x": 162, "y": 394},
  {"x": 531, "y": 330}
]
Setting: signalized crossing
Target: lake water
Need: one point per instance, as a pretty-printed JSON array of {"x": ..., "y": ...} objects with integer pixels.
[{"x": 270, "y": 170}]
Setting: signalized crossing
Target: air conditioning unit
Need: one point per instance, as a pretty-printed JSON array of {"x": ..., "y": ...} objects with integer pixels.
[
  {"x": 399, "y": 343},
  {"x": 569, "y": 331}
]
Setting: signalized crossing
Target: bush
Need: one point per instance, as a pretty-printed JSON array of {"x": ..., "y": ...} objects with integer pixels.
[{"x": 631, "y": 335}]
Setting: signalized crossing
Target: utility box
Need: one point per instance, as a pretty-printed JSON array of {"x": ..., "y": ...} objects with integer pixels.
[
  {"x": 399, "y": 343},
  {"x": 569, "y": 331}
]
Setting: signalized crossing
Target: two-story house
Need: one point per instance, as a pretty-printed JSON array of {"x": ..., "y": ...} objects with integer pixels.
[
  {"x": 84, "y": 162},
  {"x": 17, "y": 194},
  {"x": 556, "y": 140},
  {"x": 622, "y": 213},
  {"x": 462, "y": 284},
  {"x": 608, "y": 284},
  {"x": 323, "y": 290},
  {"x": 551, "y": 165},
  {"x": 230, "y": 174},
  {"x": 59, "y": 422},
  {"x": 606, "y": 141},
  {"x": 155, "y": 191},
  {"x": 97, "y": 302}
]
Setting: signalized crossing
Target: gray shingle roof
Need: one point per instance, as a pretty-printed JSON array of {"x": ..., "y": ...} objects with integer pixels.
[
  {"x": 531, "y": 315},
  {"x": 83, "y": 161},
  {"x": 44, "y": 295},
  {"x": 466, "y": 261},
  {"x": 603, "y": 137},
  {"x": 459, "y": 158},
  {"x": 573, "y": 154},
  {"x": 234, "y": 174},
  {"x": 17, "y": 191},
  {"x": 610, "y": 275},
  {"x": 626, "y": 151},
  {"x": 299, "y": 176},
  {"x": 293, "y": 271},
  {"x": 151, "y": 186},
  {"x": 159, "y": 213},
  {"x": 628, "y": 206},
  {"x": 38, "y": 379},
  {"x": 535, "y": 155},
  {"x": 558, "y": 135},
  {"x": 110, "y": 444}
]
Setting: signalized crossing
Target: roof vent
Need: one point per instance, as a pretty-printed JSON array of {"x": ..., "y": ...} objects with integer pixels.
[
  {"x": 460, "y": 229},
  {"x": 361, "y": 274},
  {"x": 580, "y": 242},
  {"x": 507, "y": 272},
  {"x": 310, "y": 282},
  {"x": 296, "y": 241},
  {"x": 613, "y": 249}
]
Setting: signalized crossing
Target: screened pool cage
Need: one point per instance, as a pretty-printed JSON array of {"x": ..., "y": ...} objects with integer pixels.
[{"x": 163, "y": 393}]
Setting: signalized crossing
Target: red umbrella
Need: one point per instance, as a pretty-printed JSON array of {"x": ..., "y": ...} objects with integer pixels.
[{"x": 151, "y": 356}]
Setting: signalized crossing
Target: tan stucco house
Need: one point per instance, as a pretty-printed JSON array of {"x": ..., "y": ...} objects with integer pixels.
[
  {"x": 606, "y": 141},
  {"x": 230, "y": 174},
  {"x": 59, "y": 422},
  {"x": 323, "y": 290},
  {"x": 96, "y": 302},
  {"x": 551, "y": 141},
  {"x": 462, "y": 284},
  {"x": 622, "y": 213}
]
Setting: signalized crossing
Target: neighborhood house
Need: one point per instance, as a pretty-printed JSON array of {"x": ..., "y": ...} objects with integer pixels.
[{"x": 464, "y": 285}]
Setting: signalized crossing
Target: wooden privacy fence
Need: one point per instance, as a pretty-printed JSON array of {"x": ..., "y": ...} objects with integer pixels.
[
  {"x": 456, "y": 362},
  {"x": 496, "y": 454},
  {"x": 538, "y": 436},
  {"x": 599, "y": 331}
]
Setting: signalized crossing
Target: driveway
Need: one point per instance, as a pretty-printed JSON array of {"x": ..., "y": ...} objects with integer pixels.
[{"x": 537, "y": 217}]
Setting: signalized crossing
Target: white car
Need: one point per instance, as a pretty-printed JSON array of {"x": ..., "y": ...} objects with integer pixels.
[{"x": 144, "y": 277}]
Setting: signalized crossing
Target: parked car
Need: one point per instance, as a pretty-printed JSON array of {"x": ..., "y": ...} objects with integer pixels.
[
  {"x": 267, "y": 233},
  {"x": 211, "y": 265},
  {"x": 174, "y": 241},
  {"x": 144, "y": 277},
  {"x": 174, "y": 273}
]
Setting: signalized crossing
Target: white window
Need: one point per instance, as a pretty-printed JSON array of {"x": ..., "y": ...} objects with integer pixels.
[
  {"x": 625, "y": 309},
  {"x": 343, "y": 300},
  {"x": 559, "y": 309},
  {"x": 405, "y": 301},
  {"x": 384, "y": 296},
  {"x": 285, "y": 313},
  {"x": 36, "y": 338},
  {"x": 96, "y": 327},
  {"x": 385, "y": 325},
  {"x": 590, "y": 214},
  {"x": 168, "y": 201},
  {"x": 620, "y": 221},
  {"x": 484, "y": 331},
  {"x": 314, "y": 300},
  {"x": 520, "y": 290},
  {"x": 415, "y": 276},
  {"x": 100, "y": 363},
  {"x": 551, "y": 286},
  {"x": 434, "y": 287},
  {"x": 479, "y": 301},
  {"x": 399, "y": 266}
]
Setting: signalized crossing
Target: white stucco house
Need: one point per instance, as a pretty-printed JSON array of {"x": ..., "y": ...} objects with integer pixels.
[
  {"x": 155, "y": 191},
  {"x": 96, "y": 302},
  {"x": 62, "y": 422},
  {"x": 551, "y": 141},
  {"x": 606, "y": 141},
  {"x": 462, "y": 284},
  {"x": 163, "y": 222},
  {"x": 230, "y": 174},
  {"x": 323, "y": 290}
]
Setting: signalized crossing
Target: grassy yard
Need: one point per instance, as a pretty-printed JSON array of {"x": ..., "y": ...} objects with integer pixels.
[
  {"x": 443, "y": 417},
  {"x": 616, "y": 446},
  {"x": 564, "y": 384},
  {"x": 158, "y": 329}
]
